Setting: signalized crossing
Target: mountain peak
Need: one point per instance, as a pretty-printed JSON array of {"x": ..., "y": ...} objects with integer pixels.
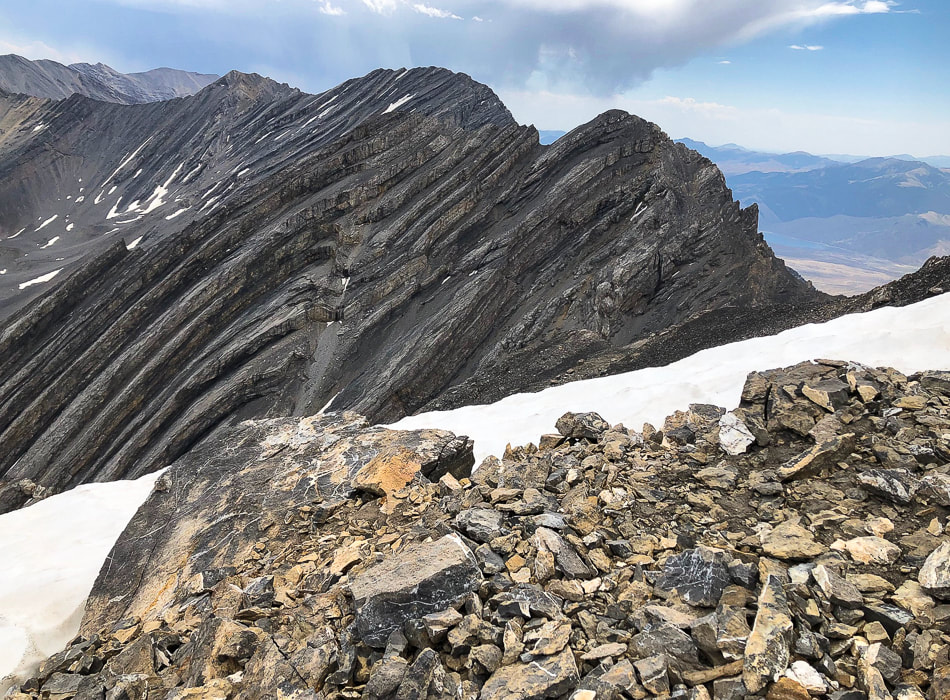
[{"x": 49, "y": 79}]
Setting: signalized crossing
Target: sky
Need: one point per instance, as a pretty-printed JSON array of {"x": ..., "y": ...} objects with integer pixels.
[{"x": 865, "y": 77}]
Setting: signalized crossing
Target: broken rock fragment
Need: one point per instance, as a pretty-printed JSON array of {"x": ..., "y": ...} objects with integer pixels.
[{"x": 423, "y": 579}]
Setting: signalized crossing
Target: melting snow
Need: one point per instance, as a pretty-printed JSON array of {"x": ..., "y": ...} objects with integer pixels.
[
  {"x": 70, "y": 227},
  {"x": 398, "y": 103},
  {"x": 39, "y": 127},
  {"x": 48, "y": 222},
  {"x": 113, "y": 189},
  {"x": 134, "y": 243},
  {"x": 3, "y": 271},
  {"x": 39, "y": 280},
  {"x": 17, "y": 233},
  {"x": 80, "y": 198},
  {"x": 911, "y": 339},
  {"x": 52, "y": 552},
  {"x": 244, "y": 172},
  {"x": 114, "y": 212},
  {"x": 127, "y": 160},
  {"x": 172, "y": 216},
  {"x": 137, "y": 173},
  {"x": 50, "y": 242}
]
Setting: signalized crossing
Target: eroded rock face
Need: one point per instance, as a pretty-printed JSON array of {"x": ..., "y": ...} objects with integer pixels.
[
  {"x": 576, "y": 569},
  {"x": 384, "y": 261}
]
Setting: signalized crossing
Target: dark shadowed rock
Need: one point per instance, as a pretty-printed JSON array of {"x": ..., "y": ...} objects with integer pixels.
[
  {"x": 699, "y": 575},
  {"x": 582, "y": 425},
  {"x": 423, "y": 579}
]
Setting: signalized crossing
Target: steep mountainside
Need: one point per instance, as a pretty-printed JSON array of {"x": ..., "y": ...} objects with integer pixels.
[
  {"x": 371, "y": 247},
  {"x": 50, "y": 79}
]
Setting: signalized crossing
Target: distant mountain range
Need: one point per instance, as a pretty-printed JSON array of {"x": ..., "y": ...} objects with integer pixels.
[
  {"x": 53, "y": 80},
  {"x": 733, "y": 159},
  {"x": 845, "y": 222}
]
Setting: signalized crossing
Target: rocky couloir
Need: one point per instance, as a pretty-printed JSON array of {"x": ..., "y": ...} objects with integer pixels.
[{"x": 794, "y": 547}]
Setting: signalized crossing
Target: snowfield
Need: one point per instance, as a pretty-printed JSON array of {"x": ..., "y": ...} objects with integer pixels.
[
  {"x": 53, "y": 550},
  {"x": 51, "y": 554},
  {"x": 910, "y": 339}
]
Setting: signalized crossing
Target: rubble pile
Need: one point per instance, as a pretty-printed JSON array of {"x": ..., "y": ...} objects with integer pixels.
[{"x": 792, "y": 548}]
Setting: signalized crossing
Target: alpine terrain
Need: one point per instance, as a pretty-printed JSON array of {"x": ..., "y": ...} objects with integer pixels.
[{"x": 303, "y": 341}]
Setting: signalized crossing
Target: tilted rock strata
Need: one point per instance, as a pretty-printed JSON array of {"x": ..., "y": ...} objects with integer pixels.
[
  {"x": 624, "y": 564},
  {"x": 373, "y": 259}
]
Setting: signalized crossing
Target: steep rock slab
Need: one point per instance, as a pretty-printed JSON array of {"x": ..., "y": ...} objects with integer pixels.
[{"x": 213, "y": 508}]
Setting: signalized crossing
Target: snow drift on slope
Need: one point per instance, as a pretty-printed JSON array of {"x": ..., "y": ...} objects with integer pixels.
[
  {"x": 910, "y": 339},
  {"x": 51, "y": 554}
]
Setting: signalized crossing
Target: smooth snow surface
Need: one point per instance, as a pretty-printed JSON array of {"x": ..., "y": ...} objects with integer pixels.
[
  {"x": 51, "y": 554},
  {"x": 910, "y": 339},
  {"x": 42, "y": 278}
]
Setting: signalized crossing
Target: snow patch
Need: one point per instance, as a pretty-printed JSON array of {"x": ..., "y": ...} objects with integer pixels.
[
  {"x": 50, "y": 242},
  {"x": 70, "y": 227},
  {"x": 134, "y": 243},
  {"x": 47, "y": 222},
  {"x": 3, "y": 271},
  {"x": 911, "y": 339},
  {"x": 80, "y": 198},
  {"x": 244, "y": 172},
  {"x": 39, "y": 280},
  {"x": 127, "y": 161},
  {"x": 52, "y": 552},
  {"x": 114, "y": 212},
  {"x": 177, "y": 213},
  {"x": 398, "y": 103},
  {"x": 39, "y": 127},
  {"x": 17, "y": 233}
]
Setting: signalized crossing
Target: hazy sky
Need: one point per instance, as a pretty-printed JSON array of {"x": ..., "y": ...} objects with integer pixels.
[{"x": 869, "y": 77}]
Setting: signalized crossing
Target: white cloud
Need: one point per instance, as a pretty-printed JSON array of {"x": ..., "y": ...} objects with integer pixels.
[
  {"x": 761, "y": 128},
  {"x": 328, "y": 8},
  {"x": 35, "y": 50},
  {"x": 434, "y": 12},
  {"x": 381, "y": 7},
  {"x": 806, "y": 47},
  {"x": 601, "y": 46},
  {"x": 724, "y": 63}
]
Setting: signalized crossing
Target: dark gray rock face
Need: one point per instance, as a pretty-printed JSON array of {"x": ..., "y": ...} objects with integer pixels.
[
  {"x": 426, "y": 578},
  {"x": 393, "y": 244},
  {"x": 53, "y": 80},
  {"x": 699, "y": 575}
]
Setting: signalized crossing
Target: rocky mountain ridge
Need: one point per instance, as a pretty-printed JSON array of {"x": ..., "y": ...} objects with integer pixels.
[
  {"x": 368, "y": 248},
  {"x": 49, "y": 79},
  {"x": 792, "y": 548}
]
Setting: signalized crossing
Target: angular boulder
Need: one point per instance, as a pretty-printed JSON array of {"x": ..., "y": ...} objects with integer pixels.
[{"x": 422, "y": 579}]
